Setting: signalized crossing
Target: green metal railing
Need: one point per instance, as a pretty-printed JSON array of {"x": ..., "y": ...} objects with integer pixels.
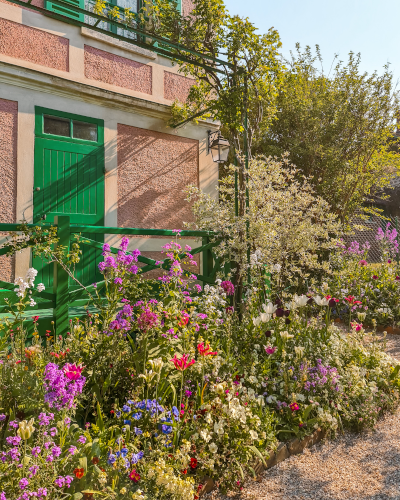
[{"x": 64, "y": 298}]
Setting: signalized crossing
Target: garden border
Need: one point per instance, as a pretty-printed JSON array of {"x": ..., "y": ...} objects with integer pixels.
[{"x": 284, "y": 451}]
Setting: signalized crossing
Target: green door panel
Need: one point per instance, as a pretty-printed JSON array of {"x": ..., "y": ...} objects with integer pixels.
[
  {"x": 55, "y": 6},
  {"x": 69, "y": 180}
]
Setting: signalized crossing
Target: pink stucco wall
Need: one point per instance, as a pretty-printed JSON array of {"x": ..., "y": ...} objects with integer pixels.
[
  {"x": 153, "y": 170},
  {"x": 37, "y": 3},
  {"x": 176, "y": 86},
  {"x": 8, "y": 174},
  {"x": 187, "y": 7},
  {"x": 116, "y": 70},
  {"x": 33, "y": 45}
]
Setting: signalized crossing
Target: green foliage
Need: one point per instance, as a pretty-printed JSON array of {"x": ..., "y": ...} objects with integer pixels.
[{"x": 337, "y": 127}]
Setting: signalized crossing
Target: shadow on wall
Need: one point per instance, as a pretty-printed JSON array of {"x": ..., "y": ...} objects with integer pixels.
[{"x": 153, "y": 170}]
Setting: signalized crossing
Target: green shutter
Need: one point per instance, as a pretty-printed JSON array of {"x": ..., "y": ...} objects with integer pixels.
[{"x": 54, "y": 6}]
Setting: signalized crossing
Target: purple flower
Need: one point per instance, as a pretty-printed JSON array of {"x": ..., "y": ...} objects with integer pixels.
[
  {"x": 49, "y": 458},
  {"x": 13, "y": 423},
  {"x": 110, "y": 261},
  {"x": 67, "y": 421},
  {"x": 33, "y": 470},
  {"x": 53, "y": 431},
  {"x": 106, "y": 249},
  {"x": 133, "y": 269},
  {"x": 45, "y": 419},
  {"x": 13, "y": 440},
  {"x": 81, "y": 440},
  {"x": 72, "y": 450},
  {"x": 42, "y": 492},
  {"x": 202, "y": 316},
  {"x": 14, "y": 454},
  {"x": 2, "y": 417},
  {"x": 136, "y": 457},
  {"x": 35, "y": 451},
  {"x": 118, "y": 281},
  {"x": 101, "y": 266},
  {"x": 23, "y": 483},
  {"x": 56, "y": 451},
  {"x": 3, "y": 496},
  {"x": 68, "y": 480},
  {"x": 60, "y": 481},
  {"x": 60, "y": 391},
  {"x": 124, "y": 244}
]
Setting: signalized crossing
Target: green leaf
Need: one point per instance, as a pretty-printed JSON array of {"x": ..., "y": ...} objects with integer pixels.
[
  {"x": 83, "y": 463},
  {"x": 258, "y": 453},
  {"x": 252, "y": 471},
  {"x": 307, "y": 412},
  {"x": 395, "y": 372},
  {"x": 99, "y": 420},
  {"x": 77, "y": 496}
]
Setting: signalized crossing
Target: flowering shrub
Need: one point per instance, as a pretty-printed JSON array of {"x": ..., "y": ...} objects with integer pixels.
[{"x": 153, "y": 392}]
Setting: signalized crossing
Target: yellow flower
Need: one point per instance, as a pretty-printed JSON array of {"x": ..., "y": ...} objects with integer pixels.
[{"x": 25, "y": 429}]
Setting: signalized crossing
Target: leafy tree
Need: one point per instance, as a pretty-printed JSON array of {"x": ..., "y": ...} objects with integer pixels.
[{"x": 337, "y": 128}]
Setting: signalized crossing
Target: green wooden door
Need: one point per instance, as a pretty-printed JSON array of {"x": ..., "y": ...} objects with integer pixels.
[{"x": 69, "y": 180}]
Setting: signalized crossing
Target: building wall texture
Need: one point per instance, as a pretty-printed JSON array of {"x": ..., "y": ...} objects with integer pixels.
[
  {"x": 34, "y": 45},
  {"x": 8, "y": 174},
  {"x": 176, "y": 86},
  {"x": 153, "y": 170},
  {"x": 37, "y": 3},
  {"x": 187, "y": 7},
  {"x": 116, "y": 70}
]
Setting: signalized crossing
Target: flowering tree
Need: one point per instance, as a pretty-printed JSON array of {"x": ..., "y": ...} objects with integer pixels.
[{"x": 288, "y": 227}]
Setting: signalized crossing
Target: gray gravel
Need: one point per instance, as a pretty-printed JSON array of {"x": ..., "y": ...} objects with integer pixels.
[{"x": 353, "y": 467}]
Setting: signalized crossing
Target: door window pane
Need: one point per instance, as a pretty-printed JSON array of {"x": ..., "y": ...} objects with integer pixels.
[
  {"x": 56, "y": 126},
  {"x": 84, "y": 130}
]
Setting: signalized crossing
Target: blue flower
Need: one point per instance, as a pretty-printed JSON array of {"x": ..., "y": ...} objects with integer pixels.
[
  {"x": 124, "y": 452},
  {"x": 137, "y": 431},
  {"x": 136, "y": 457},
  {"x": 118, "y": 413},
  {"x": 127, "y": 422},
  {"x": 137, "y": 416},
  {"x": 126, "y": 409},
  {"x": 175, "y": 411},
  {"x": 111, "y": 459}
]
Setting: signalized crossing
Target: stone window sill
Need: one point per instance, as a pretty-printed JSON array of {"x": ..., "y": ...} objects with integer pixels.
[{"x": 118, "y": 43}]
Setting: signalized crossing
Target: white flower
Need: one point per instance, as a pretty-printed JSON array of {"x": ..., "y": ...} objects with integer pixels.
[
  {"x": 321, "y": 301},
  {"x": 265, "y": 317},
  {"x": 213, "y": 448},
  {"x": 32, "y": 303},
  {"x": 301, "y": 301},
  {"x": 257, "y": 321},
  {"x": 277, "y": 268},
  {"x": 299, "y": 351},
  {"x": 205, "y": 435},
  {"x": 40, "y": 287},
  {"x": 286, "y": 335},
  {"x": 208, "y": 419},
  {"x": 219, "y": 427},
  {"x": 253, "y": 435},
  {"x": 269, "y": 308}
]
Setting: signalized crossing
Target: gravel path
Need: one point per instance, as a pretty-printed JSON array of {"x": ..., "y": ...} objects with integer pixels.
[{"x": 353, "y": 467}]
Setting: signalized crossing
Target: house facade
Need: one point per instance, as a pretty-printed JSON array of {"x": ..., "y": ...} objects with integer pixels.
[{"x": 83, "y": 131}]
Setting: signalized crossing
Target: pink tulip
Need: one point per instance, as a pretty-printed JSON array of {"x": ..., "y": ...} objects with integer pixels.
[
  {"x": 73, "y": 372},
  {"x": 182, "y": 363},
  {"x": 270, "y": 350}
]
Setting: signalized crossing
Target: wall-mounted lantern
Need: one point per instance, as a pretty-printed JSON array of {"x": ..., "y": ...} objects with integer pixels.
[{"x": 219, "y": 146}]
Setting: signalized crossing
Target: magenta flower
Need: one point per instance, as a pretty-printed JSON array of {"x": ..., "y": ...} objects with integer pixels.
[
  {"x": 181, "y": 364},
  {"x": 270, "y": 350},
  {"x": 147, "y": 320},
  {"x": 294, "y": 406},
  {"x": 23, "y": 483},
  {"x": 228, "y": 287},
  {"x": 73, "y": 372},
  {"x": 374, "y": 277},
  {"x": 60, "y": 390},
  {"x": 363, "y": 263}
]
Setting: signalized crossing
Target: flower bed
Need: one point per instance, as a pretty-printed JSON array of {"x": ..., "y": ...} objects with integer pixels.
[{"x": 160, "y": 389}]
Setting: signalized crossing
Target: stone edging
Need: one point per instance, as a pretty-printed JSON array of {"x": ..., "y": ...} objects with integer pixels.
[{"x": 283, "y": 452}]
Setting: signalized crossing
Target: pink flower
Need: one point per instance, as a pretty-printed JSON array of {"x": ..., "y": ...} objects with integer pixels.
[
  {"x": 205, "y": 350},
  {"x": 182, "y": 363},
  {"x": 228, "y": 287},
  {"x": 294, "y": 406},
  {"x": 73, "y": 372},
  {"x": 363, "y": 263},
  {"x": 270, "y": 350}
]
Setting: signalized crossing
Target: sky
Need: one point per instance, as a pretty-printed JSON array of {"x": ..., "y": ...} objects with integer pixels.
[{"x": 370, "y": 27}]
